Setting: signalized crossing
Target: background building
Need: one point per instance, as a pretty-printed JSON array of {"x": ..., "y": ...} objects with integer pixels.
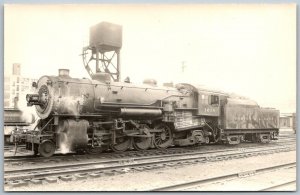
[
  {"x": 16, "y": 86},
  {"x": 287, "y": 121}
]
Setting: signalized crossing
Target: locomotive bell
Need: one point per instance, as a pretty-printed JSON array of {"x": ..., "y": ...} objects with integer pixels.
[
  {"x": 63, "y": 72},
  {"x": 102, "y": 77},
  {"x": 151, "y": 82}
]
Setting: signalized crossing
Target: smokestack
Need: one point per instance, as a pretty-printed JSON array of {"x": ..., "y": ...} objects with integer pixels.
[{"x": 63, "y": 72}]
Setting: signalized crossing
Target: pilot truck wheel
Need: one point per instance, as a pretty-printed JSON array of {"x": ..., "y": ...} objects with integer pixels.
[{"x": 46, "y": 148}]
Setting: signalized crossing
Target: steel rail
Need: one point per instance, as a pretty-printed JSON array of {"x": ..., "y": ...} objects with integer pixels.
[
  {"x": 170, "y": 151},
  {"x": 123, "y": 163},
  {"x": 196, "y": 183},
  {"x": 272, "y": 188}
]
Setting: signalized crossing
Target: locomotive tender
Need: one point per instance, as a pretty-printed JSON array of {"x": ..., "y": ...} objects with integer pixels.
[{"x": 103, "y": 113}]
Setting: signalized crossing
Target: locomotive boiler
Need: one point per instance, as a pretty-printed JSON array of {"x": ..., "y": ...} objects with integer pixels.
[{"x": 98, "y": 114}]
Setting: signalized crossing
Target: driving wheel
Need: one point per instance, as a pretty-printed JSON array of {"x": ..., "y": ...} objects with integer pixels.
[
  {"x": 164, "y": 138},
  {"x": 122, "y": 144},
  {"x": 142, "y": 143}
]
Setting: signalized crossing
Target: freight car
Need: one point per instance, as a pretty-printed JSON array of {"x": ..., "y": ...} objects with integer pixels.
[
  {"x": 100, "y": 114},
  {"x": 13, "y": 120}
]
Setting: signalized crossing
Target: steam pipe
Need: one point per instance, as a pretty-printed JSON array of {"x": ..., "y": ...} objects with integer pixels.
[{"x": 140, "y": 112}]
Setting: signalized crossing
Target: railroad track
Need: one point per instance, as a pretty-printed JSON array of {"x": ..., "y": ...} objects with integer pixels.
[
  {"x": 63, "y": 157},
  {"x": 279, "y": 187},
  {"x": 188, "y": 186},
  {"x": 76, "y": 159},
  {"x": 118, "y": 166}
]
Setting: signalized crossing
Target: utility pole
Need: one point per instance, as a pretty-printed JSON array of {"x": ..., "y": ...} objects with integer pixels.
[{"x": 183, "y": 66}]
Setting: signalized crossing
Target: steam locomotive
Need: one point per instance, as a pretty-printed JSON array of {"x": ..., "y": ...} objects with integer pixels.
[{"x": 100, "y": 114}]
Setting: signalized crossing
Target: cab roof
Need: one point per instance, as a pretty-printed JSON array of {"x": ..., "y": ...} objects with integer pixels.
[{"x": 201, "y": 89}]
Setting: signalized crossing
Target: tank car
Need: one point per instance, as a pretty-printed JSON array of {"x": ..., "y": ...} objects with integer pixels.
[{"x": 99, "y": 114}]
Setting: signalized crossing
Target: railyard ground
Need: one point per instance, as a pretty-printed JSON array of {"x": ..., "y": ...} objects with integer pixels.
[{"x": 151, "y": 179}]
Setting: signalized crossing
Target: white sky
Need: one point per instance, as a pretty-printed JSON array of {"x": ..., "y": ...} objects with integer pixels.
[{"x": 246, "y": 49}]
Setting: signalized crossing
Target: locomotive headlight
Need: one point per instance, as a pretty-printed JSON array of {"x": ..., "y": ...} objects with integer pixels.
[{"x": 32, "y": 99}]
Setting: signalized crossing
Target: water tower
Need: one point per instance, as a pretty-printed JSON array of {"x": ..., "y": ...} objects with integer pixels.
[{"x": 103, "y": 53}]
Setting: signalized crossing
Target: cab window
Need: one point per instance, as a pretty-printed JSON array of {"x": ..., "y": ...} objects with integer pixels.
[{"x": 214, "y": 100}]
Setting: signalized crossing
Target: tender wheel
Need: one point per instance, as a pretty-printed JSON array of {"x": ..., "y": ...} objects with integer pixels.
[
  {"x": 123, "y": 143},
  {"x": 46, "y": 148},
  {"x": 163, "y": 139}
]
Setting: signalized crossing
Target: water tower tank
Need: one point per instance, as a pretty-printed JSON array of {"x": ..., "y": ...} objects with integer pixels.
[{"x": 106, "y": 36}]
